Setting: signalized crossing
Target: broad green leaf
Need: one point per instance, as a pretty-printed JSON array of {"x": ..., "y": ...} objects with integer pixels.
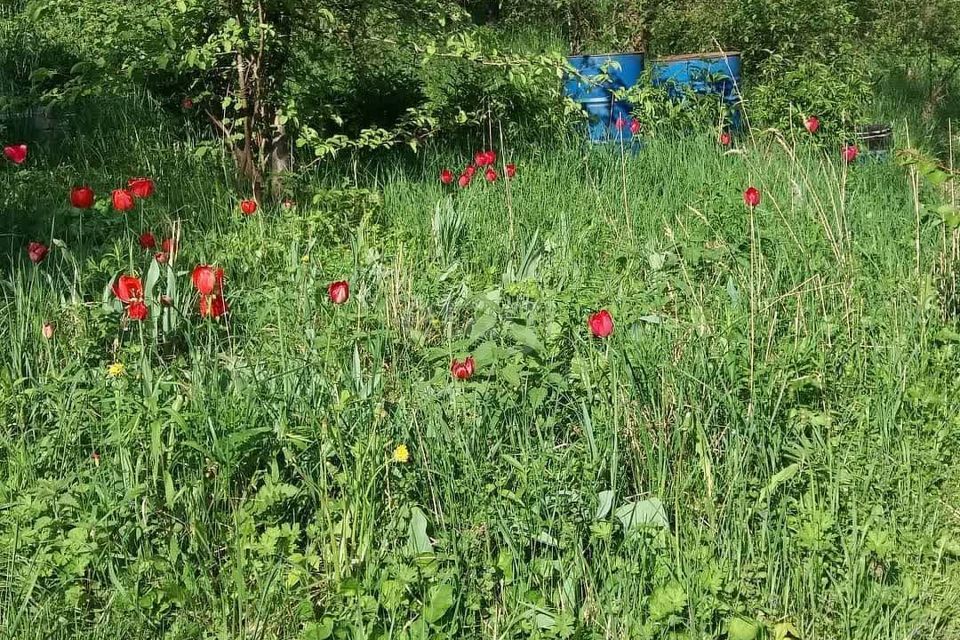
[
  {"x": 417, "y": 539},
  {"x": 485, "y": 323},
  {"x": 505, "y": 565},
  {"x": 778, "y": 478},
  {"x": 545, "y": 621},
  {"x": 784, "y": 631},
  {"x": 441, "y": 599},
  {"x": 606, "y": 502},
  {"x": 526, "y": 336},
  {"x": 645, "y": 513},
  {"x": 318, "y": 630},
  {"x": 742, "y": 629},
  {"x": 170, "y": 494}
]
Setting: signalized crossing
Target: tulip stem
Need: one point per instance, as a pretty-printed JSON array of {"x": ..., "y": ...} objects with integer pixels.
[
  {"x": 503, "y": 172},
  {"x": 623, "y": 174},
  {"x": 753, "y": 308}
]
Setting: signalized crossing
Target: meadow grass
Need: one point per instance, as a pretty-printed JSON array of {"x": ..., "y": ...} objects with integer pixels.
[{"x": 763, "y": 448}]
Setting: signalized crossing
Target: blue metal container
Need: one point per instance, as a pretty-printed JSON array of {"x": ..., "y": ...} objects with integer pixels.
[
  {"x": 703, "y": 73},
  {"x": 602, "y": 117},
  {"x": 593, "y": 82}
]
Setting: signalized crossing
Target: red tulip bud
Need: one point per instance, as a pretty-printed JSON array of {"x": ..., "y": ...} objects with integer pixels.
[
  {"x": 248, "y": 207},
  {"x": 601, "y": 324},
  {"x": 850, "y": 153},
  {"x": 138, "y": 311},
  {"x": 81, "y": 197},
  {"x": 751, "y": 197},
  {"x": 205, "y": 279},
  {"x": 462, "y": 370},
  {"x": 16, "y": 153},
  {"x": 446, "y": 176},
  {"x": 122, "y": 200},
  {"x": 812, "y": 124},
  {"x": 339, "y": 292},
  {"x": 140, "y": 187},
  {"x": 37, "y": 251}
]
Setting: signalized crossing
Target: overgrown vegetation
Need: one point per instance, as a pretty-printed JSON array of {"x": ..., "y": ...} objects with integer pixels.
[{"x": 761, "y": 446}]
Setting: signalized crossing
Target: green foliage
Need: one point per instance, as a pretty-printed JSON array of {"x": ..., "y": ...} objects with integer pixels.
[{"x": 652, "y": 485}]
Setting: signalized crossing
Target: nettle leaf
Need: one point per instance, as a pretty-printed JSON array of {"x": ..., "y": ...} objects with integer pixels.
[
  {"x": 526, "y": 336},
  {"x": 645, "y": 513},
  {"x": 484, "y": 324}
]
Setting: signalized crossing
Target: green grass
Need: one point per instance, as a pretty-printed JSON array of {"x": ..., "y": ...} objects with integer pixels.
[{"x": 781, "y": 383}]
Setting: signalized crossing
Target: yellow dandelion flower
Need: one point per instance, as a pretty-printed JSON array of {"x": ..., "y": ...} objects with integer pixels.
[
  {"x": 305, "y": 258},
  {"x": 401, "y": 454},
  {"x": 116, "y": 370}
]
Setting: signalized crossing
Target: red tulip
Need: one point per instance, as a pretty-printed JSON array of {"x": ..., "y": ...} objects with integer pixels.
[
  {"x": 620, "y": 123},
  {"x": 81, "y": 197},
  {"x": 147, "y": 241},
  {"x": 213, "y": 306},
  {"x": 141, "y": 187},
  {"x": 850, "y": 153},
  {"x": 480, "y": 158},
  {"x": 122, "y": 200},
  {"x": 161, "y": 257},
  {"x": 339, "y": 292},
  {"x": 168, "y": 245},
  {"x": 751, "y": 197},
  {"x": 511, "y": 170},
  {"x": 48, "y": 330},
  {"x": 470, "y": 170},
  {"x": 128, "y": 289},
  {"x": 16, "y": 153},
  {"x": 248, "y": 207},
  {"x": 464, "y": 181},
  {"x": 812, "y": 124},
  {"x": 187, "y": 103},
  {"x": 725, "y": 139},
  {"x": 490, "y": 175},
  {"x": 462, "y": 370},
  {"x": 204, "y": 279},
  {"x": 37, "y": 251},
  {"x": 137, "y": 311},
  {"x": 491, "y": 157},
  {"x": 446, "y": 176},
  {"x": 601, "y": 324},
  {"x": 634, "y": 126}
]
